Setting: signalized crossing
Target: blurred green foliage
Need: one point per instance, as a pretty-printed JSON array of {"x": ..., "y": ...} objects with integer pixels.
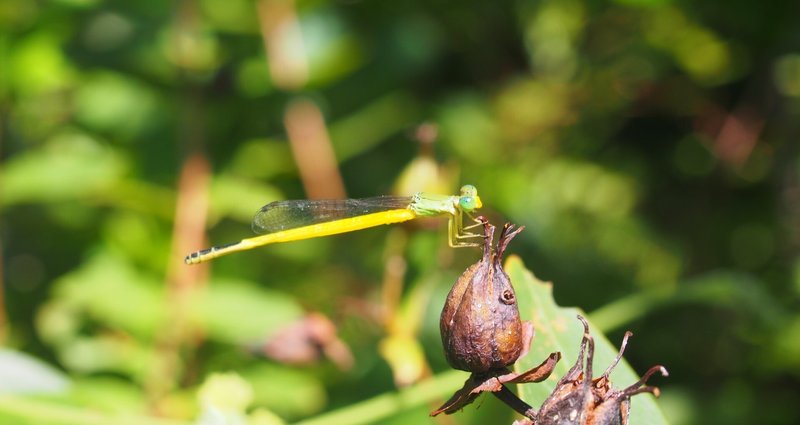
[{"x": 649, "y": 146}]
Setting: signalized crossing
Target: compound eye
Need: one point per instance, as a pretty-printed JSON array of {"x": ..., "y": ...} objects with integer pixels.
[{"x": 467, "y": 203}]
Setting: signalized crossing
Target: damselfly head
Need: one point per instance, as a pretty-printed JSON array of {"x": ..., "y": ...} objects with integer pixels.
[{"x": 469, "y": 199}]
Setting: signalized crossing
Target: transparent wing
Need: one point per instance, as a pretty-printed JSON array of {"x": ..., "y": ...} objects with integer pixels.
[{"x": 283, "y": 215}]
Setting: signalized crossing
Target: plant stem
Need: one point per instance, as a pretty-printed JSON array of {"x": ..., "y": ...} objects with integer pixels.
[
  {"x": 384, "y": 405},
  {"x": 508, "y": 397},
  {"x": 623, "y": 311},
  {"x": 45, "y": 411}
]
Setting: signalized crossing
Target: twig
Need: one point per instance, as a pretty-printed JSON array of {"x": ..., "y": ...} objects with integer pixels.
[{"x": 508, "y": 397}]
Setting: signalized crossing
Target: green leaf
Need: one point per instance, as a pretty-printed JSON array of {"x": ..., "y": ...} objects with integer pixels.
[
  {"x": 240, "y": 312},
  {"x": 558, "y": 329},
  {"x": 286, "y": 392},
  {"x": 109, "y": 101},
  {"x": 224, "y": 397},
  {"x": 70, "y": 165},
  {"x": 37, "y": 64},
  {"x": 240, "y": 198},
  {"x": 110, "y": 290},
  {"x": 108, "y": 394}
]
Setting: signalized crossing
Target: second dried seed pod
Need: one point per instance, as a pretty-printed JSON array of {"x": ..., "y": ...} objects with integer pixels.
[{"x": 581, "y": 399}]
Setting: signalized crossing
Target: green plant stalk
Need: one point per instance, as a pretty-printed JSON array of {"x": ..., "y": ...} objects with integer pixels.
[
  {"x": 619, "y": 313},
  {"x": 368, "y": 411},
  {"x": 430, "y": 391},
  {"x": 44, "y": 411}
]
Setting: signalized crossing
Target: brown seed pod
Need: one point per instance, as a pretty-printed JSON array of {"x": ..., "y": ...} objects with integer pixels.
[
  {"x": 480, "y": 325},
  {"x": 482, "y": 332},
  {"x": 578, "y": 399}
]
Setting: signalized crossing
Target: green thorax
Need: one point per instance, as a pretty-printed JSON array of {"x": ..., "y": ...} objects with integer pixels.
[
  {"x": 431, "y": 204},
  {"x": 428, "y": 204}
]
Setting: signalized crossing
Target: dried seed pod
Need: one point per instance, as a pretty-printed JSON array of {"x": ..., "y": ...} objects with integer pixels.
[
  {"x": 480, "y": 325},
  {"x": 578, "y": 399},
  {"x": 482, "y": 332}
]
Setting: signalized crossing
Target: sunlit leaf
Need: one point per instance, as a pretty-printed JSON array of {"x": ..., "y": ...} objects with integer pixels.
[
  {"x": 372, "y": 124},
  {"x": 240, "y": 198},
  {"x": 240, "y": 312},
  {"x": 109, "y": 289},
  {"x": 234, "y": 16},
  {"x": 109, "y": 393},
  {"x": 287, "y": 392},
  {"x": 37, "y": 64},
  {"x": 71, "y": 165},
  {"x": 332, "y": 51},
  {"x": 115, "y": 102},
  {"x": 21, "y": 373},
  {"x": 224, "y": 398}
]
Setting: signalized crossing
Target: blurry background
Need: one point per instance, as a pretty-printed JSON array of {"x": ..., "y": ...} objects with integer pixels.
[{"x": 649, "y": 146}]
